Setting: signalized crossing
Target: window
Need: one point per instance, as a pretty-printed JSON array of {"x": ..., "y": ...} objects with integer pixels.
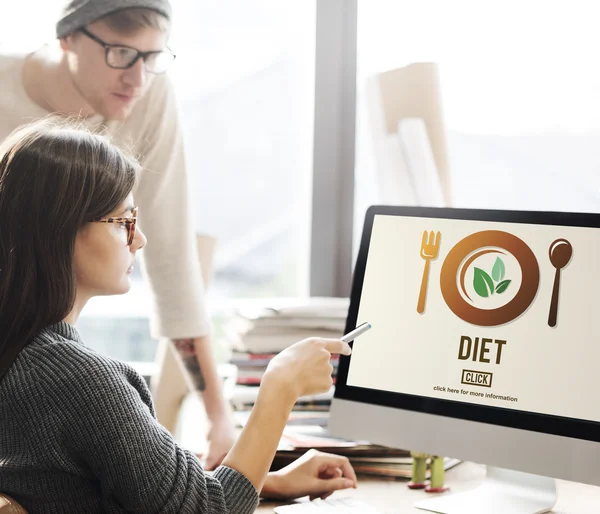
[
  {"x": 520, "y": 95},
  {"x": 245, "y": 77}
]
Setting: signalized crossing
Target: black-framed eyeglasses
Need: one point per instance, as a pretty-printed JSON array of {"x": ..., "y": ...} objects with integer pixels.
[{"x": 123, "y": 57}]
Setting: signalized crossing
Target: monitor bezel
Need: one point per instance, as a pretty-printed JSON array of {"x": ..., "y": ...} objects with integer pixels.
[{"x": 511, "y": 418}]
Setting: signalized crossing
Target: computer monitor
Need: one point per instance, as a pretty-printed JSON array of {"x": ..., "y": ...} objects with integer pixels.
[{"x": 484, "y": 347}]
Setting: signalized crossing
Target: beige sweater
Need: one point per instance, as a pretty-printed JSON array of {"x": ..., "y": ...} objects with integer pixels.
[{"x": 153, "y": 132}]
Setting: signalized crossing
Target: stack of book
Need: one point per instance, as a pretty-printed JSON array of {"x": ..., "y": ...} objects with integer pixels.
[
  {"x": 244, "y": 398},
  {"x": 366, "y": 459},
  {"x": 259, "y": 330},
  {"x": 251, "y": 366},
  {"x": 303, "y": 433},
  {"x": 270, "y": 326}
]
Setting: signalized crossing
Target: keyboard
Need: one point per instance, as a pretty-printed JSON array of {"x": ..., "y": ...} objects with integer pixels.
[{"x": 346, "y": 505}]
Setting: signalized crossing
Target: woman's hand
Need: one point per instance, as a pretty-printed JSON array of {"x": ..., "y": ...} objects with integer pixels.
[
  {"x": 305, "y": 367},
  {"x": 302, "y": 369},
  {"x": 315, "y": 474}
]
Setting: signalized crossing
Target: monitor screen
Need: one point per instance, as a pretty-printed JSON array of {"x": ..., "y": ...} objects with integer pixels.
[{"x": 480, "y": 315}]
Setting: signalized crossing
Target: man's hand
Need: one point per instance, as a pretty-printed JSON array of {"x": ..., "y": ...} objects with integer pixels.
[
  {"x": 201, "y": 375},
  {"x": 315, "y": 474},
  {"x": 221, "y": 438}
]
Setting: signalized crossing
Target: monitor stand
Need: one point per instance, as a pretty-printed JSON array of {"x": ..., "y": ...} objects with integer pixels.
[{"x": 502, "y": 492}]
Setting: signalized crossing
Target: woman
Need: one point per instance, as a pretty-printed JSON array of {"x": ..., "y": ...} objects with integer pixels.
[{"x": 77, "y": 429}]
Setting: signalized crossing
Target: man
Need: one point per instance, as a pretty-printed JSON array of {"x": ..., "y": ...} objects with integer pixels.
[{"x": 109, "y": 69}]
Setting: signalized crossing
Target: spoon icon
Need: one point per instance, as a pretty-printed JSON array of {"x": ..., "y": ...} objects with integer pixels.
[{"x": 560, "y": 252}]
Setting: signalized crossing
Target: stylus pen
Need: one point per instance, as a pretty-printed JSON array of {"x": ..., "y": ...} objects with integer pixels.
[{"x": 351, "y": 336}]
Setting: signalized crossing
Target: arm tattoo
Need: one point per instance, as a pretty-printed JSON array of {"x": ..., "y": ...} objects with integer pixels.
[{"x": 187, "y": 352}]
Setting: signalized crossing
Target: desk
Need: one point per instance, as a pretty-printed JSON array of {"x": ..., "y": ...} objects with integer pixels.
[{"x": 393, "y": 497}]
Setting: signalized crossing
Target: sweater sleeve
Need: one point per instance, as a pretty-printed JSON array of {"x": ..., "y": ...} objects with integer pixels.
[
  {"x": 170, "y": 258},
  {"x": 109, "y": 426}
]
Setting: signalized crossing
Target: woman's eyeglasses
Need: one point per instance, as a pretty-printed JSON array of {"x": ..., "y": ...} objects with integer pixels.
[
  {"x": 129, "y": 222},
  {"x": 124, "y": 57}
]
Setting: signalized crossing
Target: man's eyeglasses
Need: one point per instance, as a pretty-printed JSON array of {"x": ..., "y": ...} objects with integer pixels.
[
  {"x": 124, "y": 57},
  {"x": 130, "y": 223}
]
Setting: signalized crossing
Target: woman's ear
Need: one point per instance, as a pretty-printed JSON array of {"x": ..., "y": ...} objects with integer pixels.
[{"x": 66, "y": 43}]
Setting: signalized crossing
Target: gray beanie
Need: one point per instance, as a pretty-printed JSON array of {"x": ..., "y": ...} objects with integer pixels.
[{"x": 78, "y": 13}]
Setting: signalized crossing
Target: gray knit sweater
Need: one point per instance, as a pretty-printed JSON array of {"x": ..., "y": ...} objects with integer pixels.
[{"x": 78, "y": 434}]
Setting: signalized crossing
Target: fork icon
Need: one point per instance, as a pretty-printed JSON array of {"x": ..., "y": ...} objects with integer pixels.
[{"x": 430, "y": 247}]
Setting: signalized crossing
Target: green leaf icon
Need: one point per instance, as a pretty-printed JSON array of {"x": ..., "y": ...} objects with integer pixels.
[
  {"x": 482, "y": 283},
  {"x": 501, "y": 287},
  {"x": 498, "y": 270}
]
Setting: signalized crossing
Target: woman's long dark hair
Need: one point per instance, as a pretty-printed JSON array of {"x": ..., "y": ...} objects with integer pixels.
[{"x": 54, "y": 178}]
